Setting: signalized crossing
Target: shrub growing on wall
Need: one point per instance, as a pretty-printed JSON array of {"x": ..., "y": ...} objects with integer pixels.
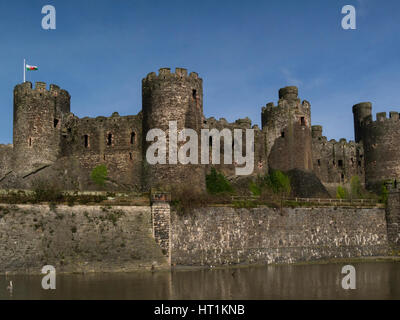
[
  {"x": 279, "y": 182},
  {"x": 216, "y": 183},
  {"x": 276, "y": 182},
  {"x": 341, "y": 193},
  {"x": 99, "y": 175}
]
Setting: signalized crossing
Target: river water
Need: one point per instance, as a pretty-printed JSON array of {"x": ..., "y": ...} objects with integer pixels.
[{"x": 374, "y": 280}]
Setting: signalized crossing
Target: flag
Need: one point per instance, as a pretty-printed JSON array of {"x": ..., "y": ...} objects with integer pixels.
[{"x": 31, "y": 68}]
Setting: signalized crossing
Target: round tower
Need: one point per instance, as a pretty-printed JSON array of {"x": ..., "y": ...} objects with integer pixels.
[
  {"x": 172, "y": 97},
  {"x": 38, "y": 114},
  {"x": 381, "y": 152},
  {"x": 361, "y": 112},
  {"x": 287, "y": 129}
]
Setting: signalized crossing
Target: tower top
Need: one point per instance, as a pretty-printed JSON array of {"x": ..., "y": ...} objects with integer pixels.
[{"x": 289, "y": 93}]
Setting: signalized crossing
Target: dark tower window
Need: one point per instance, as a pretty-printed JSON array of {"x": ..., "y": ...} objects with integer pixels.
[
  {"x": 109, "y": 139},
  {"x": 282, "y": 134},
  {"x": 303, "y": 121},
  {"x": 133, "y": 137},
  {"x": 359, "y": 163},
  {"x": 342, "y": 176},
  {"x": 30, "y": 142},
  {"x": 56, "y": 123},
  {"x": 86, "y": 140},
  {"x": 334, "y": 163},
  {"x": 340, "y": 163},
  {"x": 194, "y": 93},
  {"x": 210, "y": 141},
  {"x": 130, "y": 156},
  {"x": 319, "y": 162}
]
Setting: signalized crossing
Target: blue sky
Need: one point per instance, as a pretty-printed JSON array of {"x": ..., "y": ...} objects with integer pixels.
[{"x": 244, "y": 51}]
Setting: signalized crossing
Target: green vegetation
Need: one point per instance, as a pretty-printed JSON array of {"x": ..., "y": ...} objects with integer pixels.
[
  {"x": 276, "y": 182},
  {"x": 356, "y": 188},
  {"x": 342, "y": 193},
  {"x": 383, "y": 197},
  {"x": 217, "y": 183},
  {"x": 99, "y": 175},
  {"x": 43, "y": 191}
]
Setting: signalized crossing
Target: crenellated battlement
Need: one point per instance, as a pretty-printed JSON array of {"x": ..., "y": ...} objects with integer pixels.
[
  {"x": 40, "y": 88},
  {"x": 244, "y": 123},
  {"x": 166, "y": 74},
  {"x": 382, "y": 119}
]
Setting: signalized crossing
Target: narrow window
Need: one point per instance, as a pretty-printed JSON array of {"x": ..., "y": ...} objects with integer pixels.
[
  {"x": 319, "y": 162},
  {"x": 69, "y": 130},
  {"x": 30, "y": 142},
  {"x": 109, "y": 139},
  {"x": 282, "y": 134},
  {"x": 210, "y": 142},
  {"x": 359, "y": 163},
  {"x": 56, "y": 123},
  {"x": 340, "y": 163},
  {"x": 104, "y": 157},
  {"x": 130, "y": 156},
  {"x": 303, "y": 121},
  {"x": 133, "y": 137},
  {"x": 342, "y": 176},
  {"x": 334, "y": 163},
  {"x": 86, "y": 140},
  {"x": 194, "y": 94}
]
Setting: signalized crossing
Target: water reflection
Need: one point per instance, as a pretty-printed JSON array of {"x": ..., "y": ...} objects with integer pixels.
[{"x": 374, "y": 281}]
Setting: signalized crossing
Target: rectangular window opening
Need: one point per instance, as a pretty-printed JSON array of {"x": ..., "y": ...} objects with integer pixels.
[{"x": 86, "y": 140}]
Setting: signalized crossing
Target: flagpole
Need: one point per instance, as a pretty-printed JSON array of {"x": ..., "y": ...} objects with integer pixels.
[{"x": 24, "y": 71}]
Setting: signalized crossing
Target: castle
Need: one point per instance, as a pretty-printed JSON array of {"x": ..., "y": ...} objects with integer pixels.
[{"x": 51, "y": 143}]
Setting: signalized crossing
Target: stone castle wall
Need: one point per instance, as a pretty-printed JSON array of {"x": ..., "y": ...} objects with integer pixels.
[
  {"x": 126, "y": 238},
  {"x": 287, "y": 129},
  {"x": 382, "y": 155},
  {"x": 113, "y": 141},
  {"x": 176, "y": 97},
  {"x": 77, "y": 239},
  {"x": 49, "y": 141},
  {"x": 223, "y": 236},
  {"x": 393, "y": 217},
  {"x": 260, "y": 163},
  {"x": 336, "y": 162}
]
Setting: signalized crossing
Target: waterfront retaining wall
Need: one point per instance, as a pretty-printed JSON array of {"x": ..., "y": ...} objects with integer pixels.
[
  {"x": 224, "y": 235},
  {"x": 77, "y": 239}
]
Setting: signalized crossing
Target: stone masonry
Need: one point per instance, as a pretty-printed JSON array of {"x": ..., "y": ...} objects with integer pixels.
[{"x": 51, "y": 143}]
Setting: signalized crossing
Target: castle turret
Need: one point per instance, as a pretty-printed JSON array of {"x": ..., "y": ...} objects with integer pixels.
[
  {"x": 380, "y": 141},
  {"x": 316, "y": 132},
  {"x": 172, "y": 97},
  {"x": 361, "y": 112},
  {"x": 38, "y": 114},
  {"x": 287, "y": 129}
]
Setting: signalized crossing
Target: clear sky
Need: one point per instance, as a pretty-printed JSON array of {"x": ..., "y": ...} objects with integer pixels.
[{"x": 244, "y": 51}]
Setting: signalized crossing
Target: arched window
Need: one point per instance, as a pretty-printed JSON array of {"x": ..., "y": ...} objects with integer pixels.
[{"x": 133, "y": 134}]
